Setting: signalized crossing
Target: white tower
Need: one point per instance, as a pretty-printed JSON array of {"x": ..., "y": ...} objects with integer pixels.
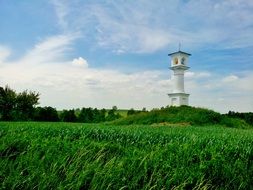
[{"x": 179, "y": 62}]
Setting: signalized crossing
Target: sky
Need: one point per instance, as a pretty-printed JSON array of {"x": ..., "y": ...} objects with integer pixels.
[{"x": 101, "y": 53}]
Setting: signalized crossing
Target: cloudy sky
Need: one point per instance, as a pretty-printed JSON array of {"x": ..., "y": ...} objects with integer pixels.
[{"x": 100, "y": 53}]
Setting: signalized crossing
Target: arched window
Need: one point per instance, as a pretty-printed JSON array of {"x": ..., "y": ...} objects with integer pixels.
[
  {"x": 175, "y": 61},
  {"x": 183, "y": 61}
]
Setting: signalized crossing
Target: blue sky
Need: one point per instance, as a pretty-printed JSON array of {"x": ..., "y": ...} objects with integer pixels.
[{"x": 83, "y": 53}]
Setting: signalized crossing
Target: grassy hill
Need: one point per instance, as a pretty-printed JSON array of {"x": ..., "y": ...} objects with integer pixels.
[
  {"x": 82, "y": 156},
  {"x": 122, "y": 112},
  {"x": 183, "y": 115}
]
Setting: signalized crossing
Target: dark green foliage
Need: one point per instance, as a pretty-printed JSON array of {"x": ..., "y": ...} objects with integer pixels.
[
  {"x": 68, "y": 116},
  {"x": 182, "y": 114},
  {"x": 17, "y": 106},
  {"x": 89, "y": 115},
  {"x": 46, "y": 114},
  {"x": 25, "y": 105},
  {"x": 235, "y": 122},
  {"x": 248, "y": 117},
  {"x": 99, "y": 115},
  {"x": 132, "y": 111},
  {"x": 7, "y": 103},
  {"x": 74, "y": 156},
  {"x": 115, "y": 108},
  {"x": 86, "y": 115},
  {"x": 111, "y": 115}
]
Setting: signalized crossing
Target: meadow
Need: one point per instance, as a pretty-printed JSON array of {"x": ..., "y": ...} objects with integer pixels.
[{"x": 41, "y": 155}]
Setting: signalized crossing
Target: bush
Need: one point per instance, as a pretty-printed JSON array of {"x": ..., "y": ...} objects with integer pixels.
[
  {"x": 248, "y": 117},
  {"x": 111, "y": 115},
  {"x": 89, "y": 115},
  {"x": 68, "y": 116},
  {"x": 234, "y": 123},
  {"x": 46, "y": 114}
]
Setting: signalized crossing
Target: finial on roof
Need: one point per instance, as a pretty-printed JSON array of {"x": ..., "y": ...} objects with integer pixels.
[{"x": 179, "y": 46}]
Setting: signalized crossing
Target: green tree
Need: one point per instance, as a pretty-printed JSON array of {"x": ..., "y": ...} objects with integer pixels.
[
  {"x": 7, "y": 103},
  {"x": 102, "y": 115},
  {"x": 144, "y": 109},
  {"x": 68, "y": 116},
  {"x": 131, "y": 112},
  {"x": 15, "y": 106},
  {"x": 114, "y": 108},
  {"x": 99, "y": 115},
  {"x": 111, "y": 115},
  {"x": 25, "y": 105},
  {"x": 86, "y": 115},
  {"x": 89, "y": 115},
  {"x": 46, "y": 114}
]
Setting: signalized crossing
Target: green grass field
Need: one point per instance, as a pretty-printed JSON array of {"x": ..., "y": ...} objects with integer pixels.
[{"x": 81, "y": 156}]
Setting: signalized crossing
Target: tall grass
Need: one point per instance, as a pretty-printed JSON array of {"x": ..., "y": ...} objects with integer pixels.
[{"x": 77, "y": 156}]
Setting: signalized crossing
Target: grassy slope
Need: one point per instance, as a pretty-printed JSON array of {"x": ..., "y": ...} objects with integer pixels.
[
  {"x": 185, "y": 115},
  {"x": 122, "y": 112},
  {"x": 74, "y": 156}
]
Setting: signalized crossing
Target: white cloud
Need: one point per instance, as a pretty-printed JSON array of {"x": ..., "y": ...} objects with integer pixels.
[
  {"x": 242, "y": 84},
  {"x": 230, "y": 78},
  {"x": 149, "y": 26},
  {"x": 65, "y": 86},
  {"x": 50, "y": 49},
  {"x": 61, "y": 10},
  {"x": 130, "y": 33},
  {"x": 4, "y": 53},
  {"x": 197, "y": 75},
  {"x": 189, "y": 74},
  {"x": 204, "y": 74},
  {"x": 228, "y": 22},
  {"x": 222, "y": 93},
  {"x": 46, "y": 70},
  {"x": 80, "y": 62}
]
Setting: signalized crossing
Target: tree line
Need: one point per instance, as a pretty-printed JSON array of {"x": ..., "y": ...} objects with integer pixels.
[
  {"x": 247, "y": 116},
  {"x": 84, "y": 115},
  {"x": 24, "y": 107}
]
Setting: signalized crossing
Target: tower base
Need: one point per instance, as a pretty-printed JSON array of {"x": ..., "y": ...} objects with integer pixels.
[{"x": 179, "y": 99}]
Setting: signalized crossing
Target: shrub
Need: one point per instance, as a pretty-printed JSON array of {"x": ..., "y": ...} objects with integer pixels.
[
  {"x": 46, "y": 114},
  {"x": 111, "y": 115},
  {"x": 234, "y": 123},
  {"x": 89, "y": 115},
  {"x": 68, "y": 116}
]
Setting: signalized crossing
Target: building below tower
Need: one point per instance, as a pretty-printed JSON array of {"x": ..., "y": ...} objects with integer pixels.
[{"x": 178, "y": 99}]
